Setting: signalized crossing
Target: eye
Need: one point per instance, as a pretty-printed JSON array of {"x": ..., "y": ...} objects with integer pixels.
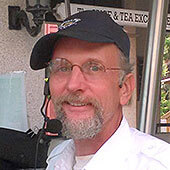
[
  {"x": 60, "y": 68},
  {"x": 96, "y": 67},
  {"x": 63, "y": 69},
  {"x": 60, "y": 65},
  {"x": 92, "y": 67}
]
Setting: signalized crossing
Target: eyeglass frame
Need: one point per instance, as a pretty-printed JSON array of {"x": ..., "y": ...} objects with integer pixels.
[{"x": 52, "y": 62}]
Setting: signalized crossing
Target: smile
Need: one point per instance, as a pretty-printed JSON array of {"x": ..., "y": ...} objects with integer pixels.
[{"x": 78, "y": 104}]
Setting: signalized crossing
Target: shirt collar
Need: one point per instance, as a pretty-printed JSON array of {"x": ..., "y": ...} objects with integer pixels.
[
  {"x": 114, "y": 151},
  {"x": 62, "y": 157}
]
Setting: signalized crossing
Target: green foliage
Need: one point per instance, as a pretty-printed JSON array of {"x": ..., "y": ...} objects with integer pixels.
[
  {"x": 165, "y": 88},
  {"x": 166, "y": 55},
  {"x": 164, "y": 69},
  {"x": 165, "y": 101}
]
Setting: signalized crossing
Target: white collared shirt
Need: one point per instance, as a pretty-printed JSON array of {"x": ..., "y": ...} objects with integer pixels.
[{"x": 127, "y": 149}]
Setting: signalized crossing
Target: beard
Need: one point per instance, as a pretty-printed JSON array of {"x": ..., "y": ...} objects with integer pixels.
[{"x": 81, "y": 128}]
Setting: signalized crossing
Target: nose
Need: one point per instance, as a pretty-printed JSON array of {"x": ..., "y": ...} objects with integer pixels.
[{"x": 76, "y": 81}]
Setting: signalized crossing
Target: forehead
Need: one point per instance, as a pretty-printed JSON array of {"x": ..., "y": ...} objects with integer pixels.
[{"x": 80, "y": 50}]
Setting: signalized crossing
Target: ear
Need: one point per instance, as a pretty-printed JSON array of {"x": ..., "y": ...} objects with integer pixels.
[{"x": 127, "y": 88}]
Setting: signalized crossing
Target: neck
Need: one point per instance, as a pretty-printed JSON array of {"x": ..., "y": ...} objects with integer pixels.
[{"x": 92, "y": 145}]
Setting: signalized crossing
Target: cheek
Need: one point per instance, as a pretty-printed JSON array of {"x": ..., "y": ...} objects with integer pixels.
[
  {"x": 55, "y": 87},
  {"x": 108, "y": 94},
  {"x": 112, "y": 99}
]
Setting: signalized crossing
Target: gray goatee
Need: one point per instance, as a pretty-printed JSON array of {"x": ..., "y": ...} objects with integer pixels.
[{"x": 79, "y": 129}]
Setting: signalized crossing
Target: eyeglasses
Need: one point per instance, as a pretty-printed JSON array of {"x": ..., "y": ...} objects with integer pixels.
[{"x": 91, "y": 70}]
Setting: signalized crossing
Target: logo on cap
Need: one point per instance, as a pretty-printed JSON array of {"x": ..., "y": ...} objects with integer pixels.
[{"x": 69, "y": 23}]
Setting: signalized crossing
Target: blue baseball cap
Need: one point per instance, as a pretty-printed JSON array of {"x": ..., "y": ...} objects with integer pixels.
[{"x": 92, "y": 26}]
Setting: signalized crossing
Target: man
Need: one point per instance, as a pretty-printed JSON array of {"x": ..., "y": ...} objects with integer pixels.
[{"x": 90, "y": 81}]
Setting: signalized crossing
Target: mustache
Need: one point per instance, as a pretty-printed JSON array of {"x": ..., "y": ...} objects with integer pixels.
[{"x": 75, "y": 97}]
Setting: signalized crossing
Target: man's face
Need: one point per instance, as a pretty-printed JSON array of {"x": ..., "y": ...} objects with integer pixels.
[{"x": 86, "y": 104}]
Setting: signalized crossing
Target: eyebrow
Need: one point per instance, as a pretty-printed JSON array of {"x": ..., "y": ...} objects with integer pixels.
[
  {"x": 88, "y": 60},
  {"x": 94, "y": 60}
]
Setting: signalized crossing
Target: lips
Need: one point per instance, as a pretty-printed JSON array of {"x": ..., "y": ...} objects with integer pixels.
[
  {"x": 77, "y": 107},
  {"x": 77, "y": 104}
]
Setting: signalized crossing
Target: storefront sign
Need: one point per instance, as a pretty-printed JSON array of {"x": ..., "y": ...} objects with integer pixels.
[{"x": 123, "y": 17}]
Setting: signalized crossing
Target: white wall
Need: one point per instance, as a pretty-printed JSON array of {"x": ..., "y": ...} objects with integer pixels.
[{"x": 15, "y": 48}]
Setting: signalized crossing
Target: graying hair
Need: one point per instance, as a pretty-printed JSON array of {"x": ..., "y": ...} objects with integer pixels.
[{"x": 125, "y": 65}]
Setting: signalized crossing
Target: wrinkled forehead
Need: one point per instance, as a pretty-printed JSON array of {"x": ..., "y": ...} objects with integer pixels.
[
  {"x": 65, "y": 42},
  {"x": 73, "y": 45}
]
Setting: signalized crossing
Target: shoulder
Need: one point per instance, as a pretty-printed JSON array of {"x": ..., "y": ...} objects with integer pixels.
[
  {"x": 151, "y": 147},
  {"x": 147, "y": 140}
]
